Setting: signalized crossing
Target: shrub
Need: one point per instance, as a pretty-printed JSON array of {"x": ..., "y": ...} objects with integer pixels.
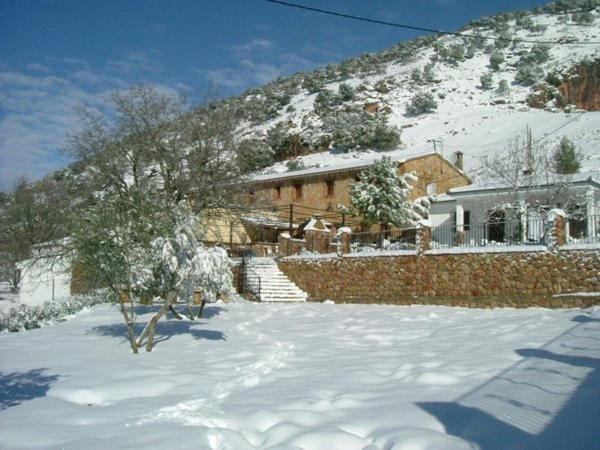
[
  {"x": 416, "y": 75},
  {"x": 504, "y": 40},
  {"x": 313, "y": 82},
  {"x": 360, "y": 130},
  {"x": 22, "y": 317},
  {"x": 428, "y": 74},
  {"x": 253, "y": 154},
  {"x": 345, "y": 92},
  {"x": 583, "y": 17},
  {"x": 487, "y": 81},
  {"x": 496, "y": 58},
  {"x": 294, "y": 164},
  {"x": 529, "y": 74},
  {"x": 539, "y": 53},
  {"x": 525, "y": 21},
  {"x": 456, "y": 53},
  {"x": 421, "y": 103},
  {"x": 503, "y": 88}
]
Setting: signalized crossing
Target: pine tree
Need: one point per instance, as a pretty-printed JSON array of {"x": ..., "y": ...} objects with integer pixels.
[
  {"x": 566, "y": 159},
  {"x": 382, "y": 196}
]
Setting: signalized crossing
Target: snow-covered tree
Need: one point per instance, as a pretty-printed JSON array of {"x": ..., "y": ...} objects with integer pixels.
[
  {"x": 135, "y": 231},
  {"x": 382, "y": 196},
  {"x": 175, "y": 265}
]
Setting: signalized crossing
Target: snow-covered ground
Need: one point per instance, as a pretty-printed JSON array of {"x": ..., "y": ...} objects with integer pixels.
[{"x": 308, "y": 376}]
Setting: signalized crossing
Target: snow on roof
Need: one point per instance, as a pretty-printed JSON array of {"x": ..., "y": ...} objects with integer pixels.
[
  {"x": 579, "y": 178},
  {"x": 315, "y": 224},
  {"x": 399, "y": 157},
  {"x": 267, "y": 221},
  {"x": 442, "y": 198}
]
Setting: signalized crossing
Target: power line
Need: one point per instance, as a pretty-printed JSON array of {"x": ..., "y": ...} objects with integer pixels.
[{"x": 417, "y": 28}]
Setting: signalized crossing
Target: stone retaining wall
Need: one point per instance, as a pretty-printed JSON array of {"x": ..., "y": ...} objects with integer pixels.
[{"x": 515, "y": 279}]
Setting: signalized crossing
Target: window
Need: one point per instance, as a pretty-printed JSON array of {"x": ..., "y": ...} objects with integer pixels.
[
  {"x": 297, "y": 191},
  {"x": 330, "y": 185},
  {"x": 496, "y": 226},
  {"x": 277, "y": 193},
  {"x": 467, "y": 220},
  {"x": 431, "y": 188}
]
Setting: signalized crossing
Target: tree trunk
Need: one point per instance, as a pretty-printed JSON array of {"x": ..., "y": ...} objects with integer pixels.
[
  {"x": 175, "y": 313},
  {"x": 201, "y": 308},
  {"x": 130, "y": 329},
  {"x": 151, "y": 326}
]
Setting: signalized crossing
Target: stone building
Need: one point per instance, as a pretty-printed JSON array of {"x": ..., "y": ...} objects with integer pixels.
[{"x": 327, "y": 188}]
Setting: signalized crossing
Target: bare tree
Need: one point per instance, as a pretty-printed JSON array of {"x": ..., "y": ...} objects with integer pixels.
[
  {"x": 526, "y": 170},
  {"x": 31, "y": 214}
]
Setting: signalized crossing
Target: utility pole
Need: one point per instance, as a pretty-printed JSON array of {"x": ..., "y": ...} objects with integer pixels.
[{"x": 528, "y": 154}]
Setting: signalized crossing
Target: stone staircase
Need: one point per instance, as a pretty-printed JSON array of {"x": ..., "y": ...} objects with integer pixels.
[{"x": 274, "y": 286}]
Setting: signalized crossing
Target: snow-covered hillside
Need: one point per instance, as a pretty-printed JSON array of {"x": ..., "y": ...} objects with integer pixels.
[
  {"x": 308, "y": 376},
  {"x": 474, "y": 115}
]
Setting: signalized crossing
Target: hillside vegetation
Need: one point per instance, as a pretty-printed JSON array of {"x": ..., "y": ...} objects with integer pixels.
[{"x": 470, "y": 92}]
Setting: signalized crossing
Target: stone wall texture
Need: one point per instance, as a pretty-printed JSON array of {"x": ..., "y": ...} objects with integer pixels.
[{"x": 472, "y": 279}]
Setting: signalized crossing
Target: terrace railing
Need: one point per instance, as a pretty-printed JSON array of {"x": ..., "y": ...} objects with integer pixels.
[
  {"x": 389, "y": 240},
  {"x": 519, "y": 231},
  {"x": 529, "y": 231}
]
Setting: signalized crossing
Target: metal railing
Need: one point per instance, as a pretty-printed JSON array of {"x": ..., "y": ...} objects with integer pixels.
[
  {"x": 251, "y": 282},
  {"x": 525, "y": 231},
  {"x": 389, "y": 240},
  {"x": 520, "y": 231}
]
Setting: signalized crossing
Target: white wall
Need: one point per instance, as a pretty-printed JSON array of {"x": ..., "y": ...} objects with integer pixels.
[
  {"x": 441, "y": 213},
  {"x": 43, "y": 281}
]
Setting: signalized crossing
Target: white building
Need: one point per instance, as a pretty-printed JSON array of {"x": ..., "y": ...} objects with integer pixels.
[
  {"x": 477, "y": 215},
  {"x": 44, "y": 278}
]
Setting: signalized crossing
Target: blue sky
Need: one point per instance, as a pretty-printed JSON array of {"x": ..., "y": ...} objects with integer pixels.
[{"x": 56, "y": 54}]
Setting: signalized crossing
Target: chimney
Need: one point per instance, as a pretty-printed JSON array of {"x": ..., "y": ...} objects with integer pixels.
[{"x": 458, "y": 159}]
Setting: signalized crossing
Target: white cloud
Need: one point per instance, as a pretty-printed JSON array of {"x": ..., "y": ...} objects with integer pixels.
[
  {"x": 258, "y": 61},
  {"x": 35, "y": 114},
  {"x": 254, "y": 45},
  {"x": 38, "y": 108},
  {"x": 136, "y": 62},
  {"x": 38, "y": 67}
]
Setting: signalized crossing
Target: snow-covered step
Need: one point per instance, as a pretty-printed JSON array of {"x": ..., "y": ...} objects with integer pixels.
[{"x": 274, "y": 285}]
